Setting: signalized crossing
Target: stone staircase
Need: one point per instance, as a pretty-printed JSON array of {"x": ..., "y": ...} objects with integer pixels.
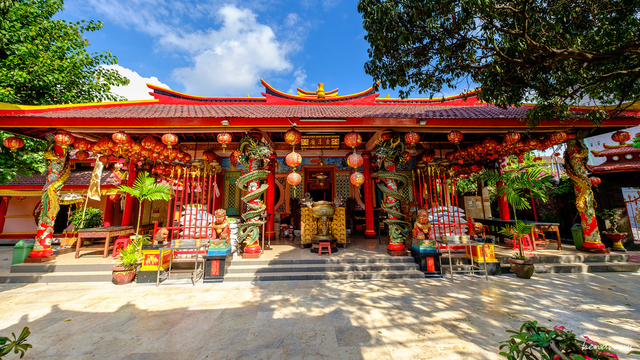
[
  {"x": 57, "y": 273},
  {"x": 581, "y": 263},
  {"x": 324, "y": 269}
]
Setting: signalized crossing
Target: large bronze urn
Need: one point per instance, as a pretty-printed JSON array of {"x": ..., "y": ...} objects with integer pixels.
[{"x": 322, "y": 212}]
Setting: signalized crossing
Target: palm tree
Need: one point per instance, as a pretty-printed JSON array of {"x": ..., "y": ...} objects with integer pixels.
[
  {"x": 146, "y": 188},
  {"x": 516, "y": 186}
]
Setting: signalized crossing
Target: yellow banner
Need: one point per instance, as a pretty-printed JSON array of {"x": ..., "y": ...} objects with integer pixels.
[{"x": 94, "y": 186}]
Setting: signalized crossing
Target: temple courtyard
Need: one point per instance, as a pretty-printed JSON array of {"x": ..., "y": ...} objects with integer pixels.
[{"x": 377, "y": 319}]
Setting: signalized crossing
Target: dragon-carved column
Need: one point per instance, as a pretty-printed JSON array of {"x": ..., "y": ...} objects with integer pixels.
[
  {"x": 575, "y": 158},
  {"x": 57, "y": 173}
]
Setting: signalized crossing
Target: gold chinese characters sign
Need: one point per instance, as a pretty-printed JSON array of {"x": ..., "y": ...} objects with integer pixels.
[{"x": 320, "y": 142}]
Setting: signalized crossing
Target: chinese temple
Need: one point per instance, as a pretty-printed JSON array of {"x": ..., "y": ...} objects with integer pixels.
[{"x": 254, "y": 155}]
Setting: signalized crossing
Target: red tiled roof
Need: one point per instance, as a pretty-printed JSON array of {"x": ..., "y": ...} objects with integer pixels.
[
  {"x": 612, "y": 167},
  {"x": 284, "y": 111},
  {"x": 78, "y": 178},
  {"x": 617, "y": 150}
]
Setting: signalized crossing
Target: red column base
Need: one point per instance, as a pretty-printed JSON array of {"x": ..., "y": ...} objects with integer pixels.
[
  {"x": 396, "y": 247},
  {"x": 593, "y": 245},
  {"x": 41, "y": 253},
  {"x": 370, "y": 234},
  {"x": 252, "y": 249}
]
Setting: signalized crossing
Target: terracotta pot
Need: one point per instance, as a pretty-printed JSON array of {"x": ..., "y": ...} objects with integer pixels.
[
  {"x": 123, "y": 274},
  {"x": 522, "y": 268}
]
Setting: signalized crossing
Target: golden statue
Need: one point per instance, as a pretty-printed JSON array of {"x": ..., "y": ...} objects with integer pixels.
[{"x": 221, "y": 228}]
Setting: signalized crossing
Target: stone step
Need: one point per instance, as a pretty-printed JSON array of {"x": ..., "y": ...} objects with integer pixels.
[
  {"x": 306, "y": 267},
  {"x": 572, "y": 259},
  {"x": 57, "y": 277},
  {"x": 321, "y": 275},
  {"x": 326, "y": 260},
  {"x": 581, "y": 268},
  {"x": 49, "y": 268}
]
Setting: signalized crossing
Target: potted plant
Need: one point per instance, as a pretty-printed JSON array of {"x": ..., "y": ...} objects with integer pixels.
[
  {"x": 615, "y": 236},
  {"x": 125, "y": 270},
  {"x": 536, "y": 342},
  {"x": 517, "y": 186}
]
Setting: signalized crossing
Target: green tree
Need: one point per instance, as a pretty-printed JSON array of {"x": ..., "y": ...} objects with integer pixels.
[
  {"x": 554, "y": 53},
  {"x": 45, "y": 61},
  {"x": 26, "y": 161},
  {"x": 146, "y": 188}
]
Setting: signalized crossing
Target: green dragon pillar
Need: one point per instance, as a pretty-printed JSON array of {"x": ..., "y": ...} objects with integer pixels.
[
  {"x": 389, "y": 153},
  {"x": 255, "y": 155},
  {"x": 575, "y": 158},
  {"x": 57, "y": 173}
]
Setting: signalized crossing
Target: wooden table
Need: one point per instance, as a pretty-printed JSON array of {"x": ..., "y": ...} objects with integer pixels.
[
  {"x": 541, "y": 226},
  {"x": 101, "y": 232}
]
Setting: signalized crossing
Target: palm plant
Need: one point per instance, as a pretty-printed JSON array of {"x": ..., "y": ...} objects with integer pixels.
[
  {"x": 146, "y": 188},
  {"x": 516, "y": 186}
]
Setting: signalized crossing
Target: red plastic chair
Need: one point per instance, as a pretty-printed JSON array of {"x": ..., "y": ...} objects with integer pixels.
[
  {"x": 120, "y": 243},
  {"x": 324, "y": 244},
  {"x": 526, "y": 243}
]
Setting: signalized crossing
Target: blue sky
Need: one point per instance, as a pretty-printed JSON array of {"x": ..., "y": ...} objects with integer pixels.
[{"x": 223, "y": 48}]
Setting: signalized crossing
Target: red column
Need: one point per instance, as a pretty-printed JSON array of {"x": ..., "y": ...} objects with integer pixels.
[
  {"x": 108, "y": 212},
  {"x": 127, "y": 213},
  {"x": 370, "y": 231},
  {"x": 503, "y": 204},
  {"x": 271, "y": 196},
  {"x": 4, "y": 205}
]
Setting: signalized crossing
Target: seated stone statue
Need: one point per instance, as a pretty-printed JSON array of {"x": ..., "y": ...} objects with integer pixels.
[
  {"x": 478, "y": 229},
  {"x": 161, "y": 236},
  {"x": 422, "y": 227},
  {"x": 221, "y": 228}
]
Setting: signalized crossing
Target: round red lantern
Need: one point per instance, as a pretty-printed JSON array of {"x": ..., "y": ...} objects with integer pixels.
[
  {"x": 428, "y": 156},
  {"x": 532, "y": 144},
  {"x": 294, "y": 179},
  {"x": 559, "y": 137},
  {"x": 490, "y": 144},
  {"x": 148, "y": 142},
  {"x": 120, "y": 137},
  {"x": 293, "y": 137},
  {"x": 13, "y": 143},
  {"x": 82, "y": 155},
  {"x": 357, "y": 179},
  {"x": 293, "y": 159},
  {"x": 355, "y": 160},
  {"x": 621, "y": 137},
  {"x": 169, "y": 139},
  {"x": 64, "y": 139},
  {"x": 455, "y": 136},
  {"x": 511, "y": 137},
  {"x": 208, "y": 156},
  {"x": 595, "y": 181},
  {"x": 353, "y": 139},
  {"x": 449, "y": 156},
  {"x": 411, "y": 138},
  {"x": 187, "y": 158},
  {"x": 114, "y": 197},
  {"x": 81, "y": 144},
  {"x": 224, "y": 138},
  {"x": 102, "y": 144},
  {"x": 158, "y": 169}
]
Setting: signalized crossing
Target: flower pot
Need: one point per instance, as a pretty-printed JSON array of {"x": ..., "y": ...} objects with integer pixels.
[
  {"x": 522, "y": 268},
  {"x": 617, "y": 240},
  {"x": 123, "y": 274}
]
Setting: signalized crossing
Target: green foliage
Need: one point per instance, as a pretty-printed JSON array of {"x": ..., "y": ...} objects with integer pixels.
[
  {"x": 536, "y": 342},
  {"x": 132, "y": 254},
  {"x": 45, "y": 60},
  {"x": 613, "y": 218},
  {"x": 565, "y": 190},
  {"x": 92, "y": 218},
  {"x": 553, "y": 53},
  {"x": 468, "y": 185},
  {"x": 17, "y": 345},
  {"x": 26, "y": 161},
  {"x": 516, "y": 232},
  {"x": 146, "y": 188}
]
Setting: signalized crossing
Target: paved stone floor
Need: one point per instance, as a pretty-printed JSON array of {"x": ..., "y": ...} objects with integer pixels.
[{"x": 407, "y": 319}]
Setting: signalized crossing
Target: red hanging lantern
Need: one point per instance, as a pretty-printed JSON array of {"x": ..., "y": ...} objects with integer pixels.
[
  {"x": 294, "y": 179},
  {"x": 532, "y": 144},
  {"x": 428, "y": 155},
  {"x": 353, "y": 139},
  {"x": 595, "y": 181},
  {"x": 621, "y": 137},
  {"x": 449, "y": 156},
  {"x": 293, "y": 137},
  {"x": 224, "y": 138},
  {"x": 169, "y": 139},
  {"x": 559, "y": 137},
  {"x": 13, "y": 143},
  {"x": 208, "y": 156},
  {"x": 455, "y": 136},
  {"x": 490, "y": 144},
  {"x": 102, "y": 144},
  {"x": 82, "y": 155},
  {"x": 148, "y": 142},
  {"x": 357, "y": 179},
  {"x": 81, "y": 144},
  {"x": 355, "y": 160},
  {"x": 187, "y": 158},
  {"x": 411, "y": 138},
  {"x": 120, "y": 137},
  {"x": 114, "y": 197},
  {"x": 158, "y": 169},
  {"x": 293, "y": 159},
  {"x": 511, "y": 137},
  {"x": 64, "y": 139}
]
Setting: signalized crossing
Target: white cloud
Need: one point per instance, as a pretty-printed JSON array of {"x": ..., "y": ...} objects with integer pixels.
[
  {"x": 291, "y": 19},
  {"x": 137, "y": 88},
  {"x": 301, "y": 77}
]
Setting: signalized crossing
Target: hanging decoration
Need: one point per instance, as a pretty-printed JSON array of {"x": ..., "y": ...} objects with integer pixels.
[
  {"x": 82, "y": 144},
  {"x": 169, "y": 140},
  {"x": 353, "y": 140},
  {"x": 558, "y": 137},
  {"x": 82, "y": 155},
  {"x": 293, "y": 137},
  {"x": 511, "y": 137},
  {"x": 293, "y": 159},
  {"x": 294, "y": 179},
  {"x": 595, "y": 181},
  {"x": 13, "y": 143},
  {"x": 64, "y": 139},
  {"x": 120, "y": 138},
  {"x": 357, "y": 179},
  {"x": 428, "y": 156},
  {"x": 455, "y": 137},
  {"x": 148, "y": 142},
  {"x": 621, "y": 137},
  {"x": 355, "y": 160},
  {"x": 208, "y": 156},
  {"x": 411, "y": 138},
  {"x": 224, "y": 138}
]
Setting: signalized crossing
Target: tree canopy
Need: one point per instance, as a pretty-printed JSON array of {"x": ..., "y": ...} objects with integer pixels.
[
  {"x": 45, "y": 61},
  {"x": 554, "y": 53},
  {"x": 27, "y": 161}
]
